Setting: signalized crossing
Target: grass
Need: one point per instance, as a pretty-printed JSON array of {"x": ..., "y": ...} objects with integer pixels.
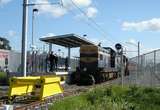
[{"x": 112, "y": 98}]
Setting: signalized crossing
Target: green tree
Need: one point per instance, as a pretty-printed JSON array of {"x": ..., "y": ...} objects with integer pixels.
[{"x": 4, "y": 44}]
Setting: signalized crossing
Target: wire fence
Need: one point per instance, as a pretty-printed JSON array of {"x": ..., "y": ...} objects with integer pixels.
[
  {"x": 39, "y": 62},
  {"x": 145, "y": 70}
]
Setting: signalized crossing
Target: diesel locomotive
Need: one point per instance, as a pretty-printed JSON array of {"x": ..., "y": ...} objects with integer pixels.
[{"x": 97, "y": 64}]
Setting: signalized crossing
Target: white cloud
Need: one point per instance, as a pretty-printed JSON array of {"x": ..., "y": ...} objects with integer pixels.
[
  {"x": 130, "y": 47},
  {"x": 49, "y": 35},
  {"x": 95, "y": 40},
  {"x": 104, "y": 42},
  {"x": 83, "y": 3},
  {"x": 3, "y": 2},
  {"x": 90, "y": 12},
  {"x": 11, "y": 33},
  {"x": 54, "y": 10},
  {"x": 132, "y": 41},
  {"x": 148, "y": 25},
  {"x": 68, "y": 5}
]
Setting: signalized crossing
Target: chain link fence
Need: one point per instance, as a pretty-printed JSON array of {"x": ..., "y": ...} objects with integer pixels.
[{"x": 144, "y": 70}]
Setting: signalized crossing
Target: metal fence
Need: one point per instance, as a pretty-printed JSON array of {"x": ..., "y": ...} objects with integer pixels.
[
  {"x": 37, "y": 62},
  {"x": 145, "y": 70}
]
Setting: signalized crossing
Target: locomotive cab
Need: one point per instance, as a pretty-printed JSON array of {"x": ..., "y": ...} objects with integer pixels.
[{"x": 94, "y": 61}]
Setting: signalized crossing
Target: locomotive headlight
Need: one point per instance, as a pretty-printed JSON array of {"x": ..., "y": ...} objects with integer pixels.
[{"x": 85, "y": 69}]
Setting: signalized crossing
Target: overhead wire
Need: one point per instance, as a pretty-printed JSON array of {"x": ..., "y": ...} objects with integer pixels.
[
  {"x": 95, "y": 4},
  {"x": 124, "y": 44},
  {"x": 72, "y": 12},
  {"x": 98, "y": 28}
]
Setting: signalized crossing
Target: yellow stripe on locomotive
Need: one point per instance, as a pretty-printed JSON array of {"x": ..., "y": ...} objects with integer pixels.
[{"x": 88, "y": 49}]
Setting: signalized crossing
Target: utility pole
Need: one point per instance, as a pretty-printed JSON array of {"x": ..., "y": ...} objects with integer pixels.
[
  {"x": 24, "y": 37},
  {"x": 24, "y": 32}
]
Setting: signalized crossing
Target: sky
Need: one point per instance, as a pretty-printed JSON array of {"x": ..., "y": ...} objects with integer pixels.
[{"x": 105, "y": 21}]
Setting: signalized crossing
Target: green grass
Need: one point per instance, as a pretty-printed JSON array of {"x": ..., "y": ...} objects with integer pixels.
[{"x": 112, "y": 98}]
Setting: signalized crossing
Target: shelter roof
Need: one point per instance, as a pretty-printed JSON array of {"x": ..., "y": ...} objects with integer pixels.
[{"x": 67, "y": 40}]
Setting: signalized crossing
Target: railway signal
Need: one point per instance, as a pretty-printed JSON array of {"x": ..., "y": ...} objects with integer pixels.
[{"x": 119, "y": 48}]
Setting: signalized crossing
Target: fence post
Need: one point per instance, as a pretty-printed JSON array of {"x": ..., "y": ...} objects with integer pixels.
[
  {"x": 154, "y": 65},
  {"x": 138, "y": 63},
  {"x": 122, "y": 71}
]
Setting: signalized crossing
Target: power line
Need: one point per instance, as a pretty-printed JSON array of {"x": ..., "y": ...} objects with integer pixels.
[
  {"x": 98, "y": 28},
  {"x": 35, "y": 4},
  {"x": 95, "y": 3},
  {"x": 90, "y": 25}
]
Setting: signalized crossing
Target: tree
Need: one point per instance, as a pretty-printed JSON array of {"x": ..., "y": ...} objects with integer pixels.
[{"x": 4, "y": 44}]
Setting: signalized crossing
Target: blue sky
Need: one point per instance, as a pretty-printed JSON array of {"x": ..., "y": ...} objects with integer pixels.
[{"x": 120, "y": 20}]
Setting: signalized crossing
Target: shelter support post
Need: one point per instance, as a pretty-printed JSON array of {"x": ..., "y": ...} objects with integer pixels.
[
  {"x": 50, "y": 47},
  {"x": 69, "y": 58},
  {"x": 122, "y": 68}
]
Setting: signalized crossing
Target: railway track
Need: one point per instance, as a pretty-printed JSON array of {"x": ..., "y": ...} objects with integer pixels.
[
  {"x": 39, "y": 105},
  {"x": 29, "y": 103}
]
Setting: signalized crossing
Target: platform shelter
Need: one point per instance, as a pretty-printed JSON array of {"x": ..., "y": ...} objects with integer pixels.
[{"x": 68, "y": 40}]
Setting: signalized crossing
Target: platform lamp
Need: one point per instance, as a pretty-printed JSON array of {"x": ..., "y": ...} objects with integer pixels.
[
  {"x": 33, "y": 18},
  {"x": 33, "y": 47},
  {"x": 85, "y": 35},
  {"x": 26, "y": 4}
]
